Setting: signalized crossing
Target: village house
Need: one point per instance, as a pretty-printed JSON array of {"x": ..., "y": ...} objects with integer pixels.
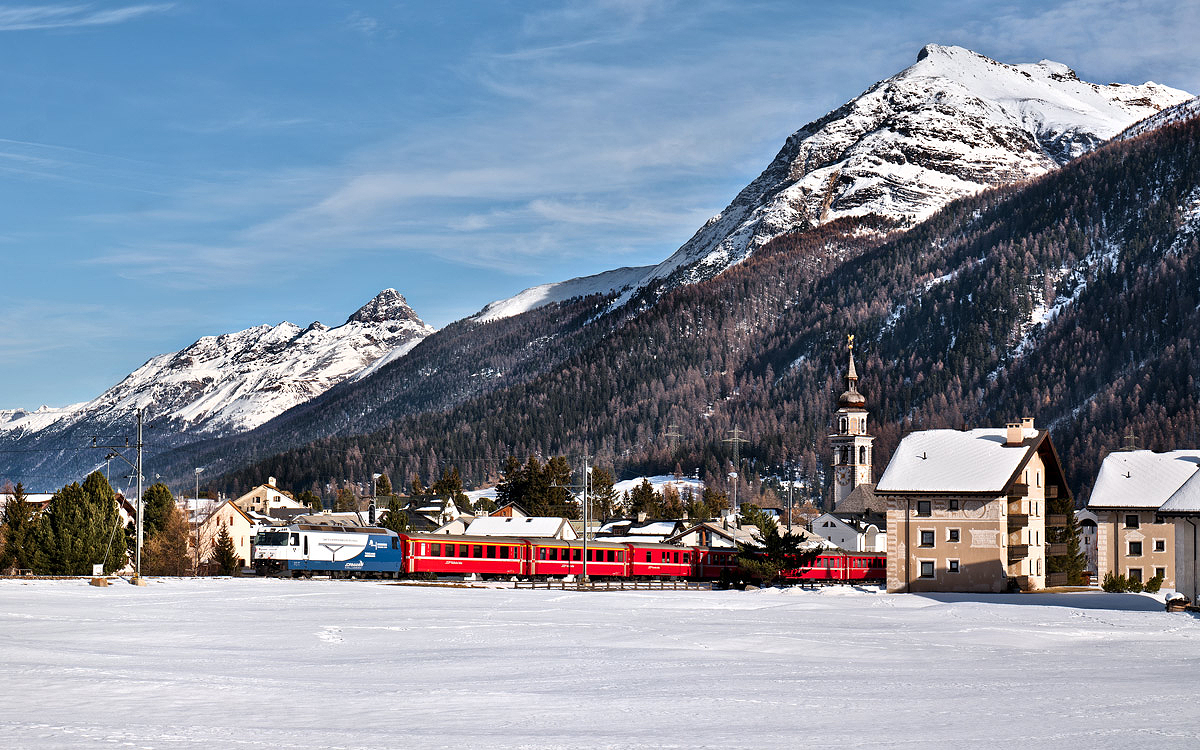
[
  {"x": 525, "y": 527},
  {"x": 1182, "y": 509},
  {"x": 967, "y": 509},
  {"x": 266, "y": 498},
  {"x": 853, "y": 532},
  {"x": 1131, "y": 488},
  {"x": 239, "y": 524}
]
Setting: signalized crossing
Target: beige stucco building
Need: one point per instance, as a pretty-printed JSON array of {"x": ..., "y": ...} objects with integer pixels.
[
  {"x": 1132, "y": 538},
  {"x": 967, "y": 509},
  {"x": 267, "y": 497}
]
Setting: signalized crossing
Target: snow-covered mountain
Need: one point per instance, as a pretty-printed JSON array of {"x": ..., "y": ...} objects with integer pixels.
[
  {"x": 950, "y": 125},
  {"x": 236, "y": 381},
  {"x": 1179, "y": 113},
  {"x": 545, "y": 294}
]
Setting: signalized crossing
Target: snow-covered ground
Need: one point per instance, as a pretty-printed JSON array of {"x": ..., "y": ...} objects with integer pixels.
[{"x": 343, "y": 664}]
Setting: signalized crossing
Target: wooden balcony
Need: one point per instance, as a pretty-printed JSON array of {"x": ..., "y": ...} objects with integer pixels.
[
  {"x": 1018, "y": 490},
  {"x": 1056, "y": 579},
  {"x": 1056, "y": 550},
  {"x": 1051, "y": 491},
  {"x": 1056, "y": 520},
  {"x": 1017, "y": 521},
  {"x": 1017, "y": 552}
]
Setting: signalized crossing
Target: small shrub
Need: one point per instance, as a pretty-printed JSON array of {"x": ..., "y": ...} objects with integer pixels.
[
  {"x": 1154, "y": 584},
  {"x": 1114, "y": 584}
]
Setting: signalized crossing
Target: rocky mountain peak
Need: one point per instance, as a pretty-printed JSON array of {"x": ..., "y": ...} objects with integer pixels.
[{"x": 388, "y": 305}]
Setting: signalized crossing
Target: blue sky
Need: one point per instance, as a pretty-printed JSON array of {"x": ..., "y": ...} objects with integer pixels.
[{"x": 177, "y": 169}]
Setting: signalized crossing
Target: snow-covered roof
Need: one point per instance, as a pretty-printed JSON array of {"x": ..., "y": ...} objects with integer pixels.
[
  {"x": 531, "y": 526},
  {"x": 1185, "y": 500},
  {"x": 1142, "y": 479},
  {"x": 956, "y": 461}
]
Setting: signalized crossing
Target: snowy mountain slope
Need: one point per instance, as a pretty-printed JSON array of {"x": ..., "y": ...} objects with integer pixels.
[
  {"x": 545, "y": 294},
  {"x": 952, "y": 124},
  {"x": 1179, "y": 113},
  {"x": 237, "y": 381}
]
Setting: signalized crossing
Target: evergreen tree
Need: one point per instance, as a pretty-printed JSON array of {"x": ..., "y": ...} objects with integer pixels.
[
  {"x": 644, "y": 499},
  {"x": 558, "y": 498},
  {"x": 225, "y": 554},
  {"x": 418, "y": 489},
  {"x": 715, "y": 501},
  {"x": 166, "y": 554},
  {"x": 395, "y": 518},
  {"x": 157, "y": 502},
  {"x": 312, "y": 500},
  {"x": 774, "y": 553},
  {"x": 17, "y": 531},
  {"x": 603, "y": 496},
  {"x": 513, "y": 485},
  {"x": 79, "y": 529},
  {"x": 383, "y": 486}
]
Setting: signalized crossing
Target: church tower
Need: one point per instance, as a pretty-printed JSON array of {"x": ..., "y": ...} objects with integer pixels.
[{"x": 851, "y": 443}]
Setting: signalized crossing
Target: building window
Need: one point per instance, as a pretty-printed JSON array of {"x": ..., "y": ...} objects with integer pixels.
[
  {"x": 952, "y": 535},
  {"x": 1160, "y": 573},
  {"x": 926, "y": 538},
  {"x": 952, "y": 565},
  {"x": 924, "y": 508},
  {"x": 927, "y": 568},
  {"x": 1160, "y": 545},
  {"x": 952, "y": 505},
  {"x": 1135, "y": 574},
  {"x": 842, "y": 426},
  {"x": 1135, "y": 549},
  {"x": 1131, "y": 521}
]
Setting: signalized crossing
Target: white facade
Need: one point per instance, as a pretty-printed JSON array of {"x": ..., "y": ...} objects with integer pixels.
[
  {"x": 1086, "y": 523},
  {"x": 849, "y": 533}
]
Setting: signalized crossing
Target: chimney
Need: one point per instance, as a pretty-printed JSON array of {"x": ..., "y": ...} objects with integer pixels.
[
  {"x": 271, "y": 481},
  {"x": 1015, "y": 435},
  {"x": 641, "y": 516},
  {"x": 1027, "y": 423}
]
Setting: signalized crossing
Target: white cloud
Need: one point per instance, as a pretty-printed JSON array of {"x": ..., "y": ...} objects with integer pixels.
[{"x": 27, "y": 18}]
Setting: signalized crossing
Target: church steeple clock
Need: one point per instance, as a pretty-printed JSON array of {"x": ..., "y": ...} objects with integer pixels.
[{"x": 851, "y": 443}]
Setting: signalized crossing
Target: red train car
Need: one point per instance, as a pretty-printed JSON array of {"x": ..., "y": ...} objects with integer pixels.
[
  {"x": 845, "y": 567},
  {"x": 441, "y": 554},
  {"x": 714, "y": 563},
  {"x": 563, "y": 557},
  {"x": 649, "y": 560}
]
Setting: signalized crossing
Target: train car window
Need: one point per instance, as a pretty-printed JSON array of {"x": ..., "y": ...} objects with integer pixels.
[
  {"x": 435, "y": 549},
  {"x": 648, "y": 554},
  {"x": 306, "y": 544},
  {"x": 543, "y": 553},
  {"x": 395, "y": 543},
  {"x": 491, "y": 551},
  {"x": 612, "y": 556},
  {"x": 504, "y": 552},
  {"x": 295, "y": 540},
  {"x": 554, "y": 553},
  {"x": 577, "y": 555},
  {"x": 478, "y": 551}
]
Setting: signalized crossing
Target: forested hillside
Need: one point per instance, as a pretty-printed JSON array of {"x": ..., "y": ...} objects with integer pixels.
[{"x": 1069, "y": 299}]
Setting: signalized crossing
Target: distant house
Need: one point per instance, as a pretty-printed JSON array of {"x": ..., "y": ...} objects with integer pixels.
[
  {"x": 1131, "y": 488},
  {"x": 713, "y": 534},
  {"x": 510, "y": 510},
  {"x": 625, "y": 530},
  {"x": 240, "y": 526},
  {"x": 967, "y": 509},
  {"x": 266, "y": 498},
  {"x": 431, "y": 513},
  {"x": 530, "y": 527},
  {"x": 853, "y": 532}
]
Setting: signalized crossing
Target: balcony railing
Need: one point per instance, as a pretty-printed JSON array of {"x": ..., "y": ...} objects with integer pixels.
[
  {"x": 1017, "y": 521},
  {"x": 1051, "y": 491},
  {"x": 1056, "y": 579},
  {"x": 1018, "y": 490},
  {"x": 1057, "y": 520},
  {"x": 1056, "y": 550},
  {"x": 1017, "y": 552}
]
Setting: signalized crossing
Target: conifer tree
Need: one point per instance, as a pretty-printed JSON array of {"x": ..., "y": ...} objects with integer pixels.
[
  {"x": 383, "y": 486},
  {"x": 774, "y": 553},
  {"x": 603, "y": 495},
  {"x": 17, "y": 531},
  {"x": 346, "y": 501},
  {"x": 644, "y": 499},
  {"x": 395, "y": 518},
  {"x": 157, "y": 502},
  {"x": 79, "y": 529},
  {"x": 225, "y": 554},
  {"x": 312, "y": 500}
]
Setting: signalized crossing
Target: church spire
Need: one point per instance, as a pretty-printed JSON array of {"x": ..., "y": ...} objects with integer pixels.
[{"x": 851, "y": 399}]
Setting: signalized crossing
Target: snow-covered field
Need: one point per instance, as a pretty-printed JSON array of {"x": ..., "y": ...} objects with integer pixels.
[{"x": 343, "y": 664}]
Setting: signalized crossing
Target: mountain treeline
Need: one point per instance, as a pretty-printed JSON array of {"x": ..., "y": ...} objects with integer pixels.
[{"x": 1068, "y": 299}]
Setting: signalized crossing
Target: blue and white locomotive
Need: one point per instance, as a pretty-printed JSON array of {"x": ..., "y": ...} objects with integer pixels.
[{"x": 303, "y": 548}]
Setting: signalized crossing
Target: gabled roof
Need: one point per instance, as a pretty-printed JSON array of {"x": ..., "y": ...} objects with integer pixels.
[
  {"x": 858, "y": 522},
  {"x": 1185, "y": 501},
  {"x": 958, "y": 462},
  {"x": 1142, "y": 479},
  {"x": 529, "y": 526},
  {"x": 861, "y": 500}
]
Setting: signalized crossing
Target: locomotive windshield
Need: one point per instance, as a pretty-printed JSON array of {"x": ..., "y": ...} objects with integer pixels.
[{"x": 273, "y": 539}]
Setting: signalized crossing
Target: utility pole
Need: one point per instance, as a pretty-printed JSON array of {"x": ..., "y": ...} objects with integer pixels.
[
  {"x": 736, "y": 440},
  {"x": 115, "y": 452},
  {"x": 586, "y": 512}
]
